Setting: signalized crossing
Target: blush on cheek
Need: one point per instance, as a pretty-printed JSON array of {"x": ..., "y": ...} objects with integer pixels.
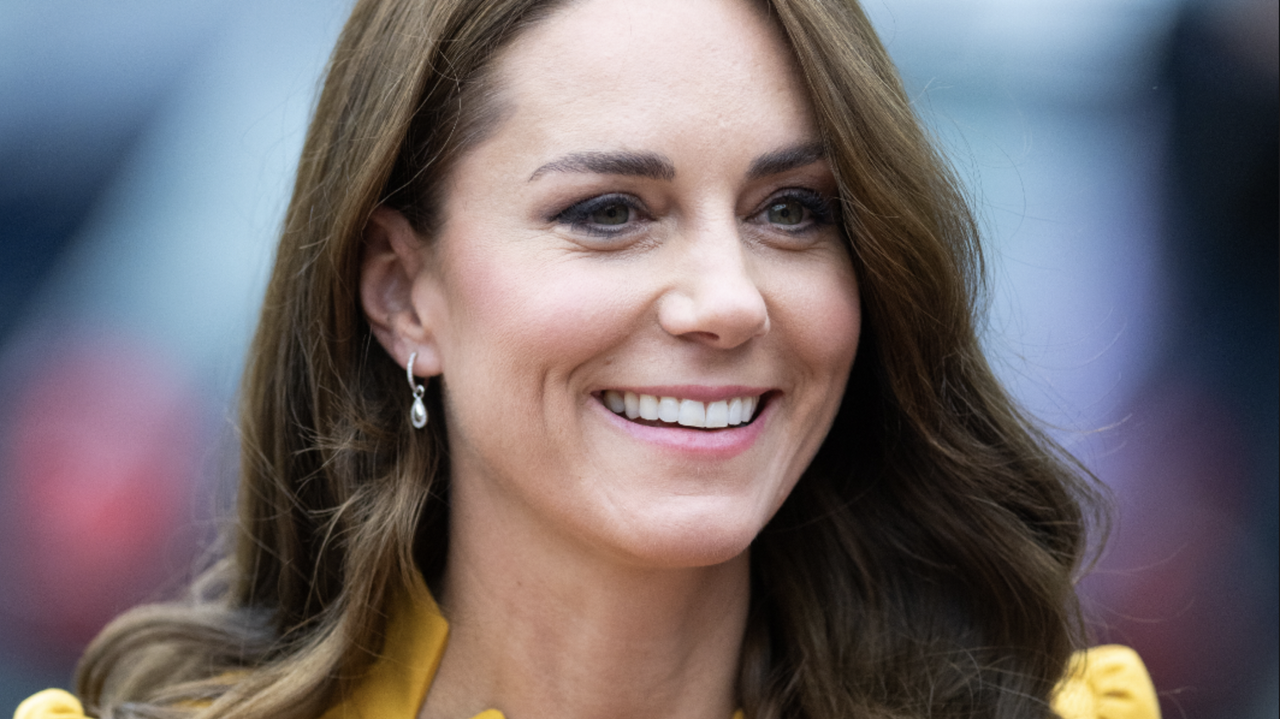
[
  {"x": 576, "y": 311},
  {"x": 828, "y": 317},
  {"x": 846, "y": 331}
]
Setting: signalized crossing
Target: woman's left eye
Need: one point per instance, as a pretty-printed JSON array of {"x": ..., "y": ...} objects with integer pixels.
[
  {"x": 786, "y": 212},
  {"x": 796, "y": 210}
]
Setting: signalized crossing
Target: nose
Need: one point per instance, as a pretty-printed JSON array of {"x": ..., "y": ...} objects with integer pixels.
[{"x": 713, "y": 297}]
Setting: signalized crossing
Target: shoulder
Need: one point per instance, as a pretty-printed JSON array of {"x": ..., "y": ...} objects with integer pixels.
[
  {"x": 1107, "y": 682},
  {"x": 50, "y": 704}
]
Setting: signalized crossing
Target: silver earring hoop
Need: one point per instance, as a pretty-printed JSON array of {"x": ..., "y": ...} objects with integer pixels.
[{"x": 417, "y": 413}]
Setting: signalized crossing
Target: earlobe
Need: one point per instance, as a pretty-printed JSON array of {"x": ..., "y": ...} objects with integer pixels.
[{"x": 393, "y": 263}]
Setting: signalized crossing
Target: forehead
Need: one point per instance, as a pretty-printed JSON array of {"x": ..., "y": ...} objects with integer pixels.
[{"x": 657, "y": 72}]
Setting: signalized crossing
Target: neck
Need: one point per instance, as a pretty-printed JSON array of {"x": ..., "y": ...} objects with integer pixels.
[{"x": 540, "y": 627}]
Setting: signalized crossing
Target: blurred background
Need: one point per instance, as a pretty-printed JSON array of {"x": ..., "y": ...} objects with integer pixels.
[{"x": 1122, "y": 155}]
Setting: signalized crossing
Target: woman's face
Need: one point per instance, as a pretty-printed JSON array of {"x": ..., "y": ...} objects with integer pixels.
[{"x": 649, "y": 228}]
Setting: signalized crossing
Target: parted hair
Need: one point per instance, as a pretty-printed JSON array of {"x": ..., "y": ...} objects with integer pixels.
[{"x": 922, "y": 567}]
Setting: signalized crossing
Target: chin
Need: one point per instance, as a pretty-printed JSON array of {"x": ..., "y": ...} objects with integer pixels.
[{"x": 691, "y": 542}]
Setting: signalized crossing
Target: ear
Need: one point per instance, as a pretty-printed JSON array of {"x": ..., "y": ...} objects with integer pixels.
[{"x": 394, "y": 264}]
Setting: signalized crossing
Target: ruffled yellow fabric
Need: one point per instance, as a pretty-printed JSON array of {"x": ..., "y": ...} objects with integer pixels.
[
  {"x": 1108, "y": 682},
  {"x": 397, "y": 684},
  {"x": 50, "y": 704}
]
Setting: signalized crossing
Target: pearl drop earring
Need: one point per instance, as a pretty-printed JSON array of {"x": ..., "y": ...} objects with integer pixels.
[{"x": 417, "y": 413}]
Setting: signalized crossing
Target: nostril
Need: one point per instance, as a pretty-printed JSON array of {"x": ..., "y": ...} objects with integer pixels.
[
  {"x": 709, "y": 337},
  {"x": 722, "y": 311}
]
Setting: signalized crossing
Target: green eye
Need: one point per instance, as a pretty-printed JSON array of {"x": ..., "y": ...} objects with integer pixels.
[
  {"x": 608, "y": 215},
  {"x": 611, "y": 214},
  {"x": 785, "y": 212}
]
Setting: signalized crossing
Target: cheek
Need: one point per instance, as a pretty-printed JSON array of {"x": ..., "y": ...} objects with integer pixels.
[
  {"x": 824, "y": 313},
  {"x": 536, "y": 314}
]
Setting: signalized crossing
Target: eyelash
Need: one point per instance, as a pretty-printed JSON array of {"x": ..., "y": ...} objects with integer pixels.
[
  {"x": 819, "y": 207},
  {"x": 577, "y": 215}
]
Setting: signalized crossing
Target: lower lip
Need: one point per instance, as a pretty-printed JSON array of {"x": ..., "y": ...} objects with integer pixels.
[{"x": 712, "y": 444}]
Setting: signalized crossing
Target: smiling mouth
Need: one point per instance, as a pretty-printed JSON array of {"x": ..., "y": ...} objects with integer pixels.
[{"x": 655, "y": 411}]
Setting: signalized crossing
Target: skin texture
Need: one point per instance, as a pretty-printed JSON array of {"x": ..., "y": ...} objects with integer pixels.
[{"x": 598, "y": 568}]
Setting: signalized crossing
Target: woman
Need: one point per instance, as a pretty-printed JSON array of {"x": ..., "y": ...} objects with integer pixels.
[{"x": 634, "y": 248}]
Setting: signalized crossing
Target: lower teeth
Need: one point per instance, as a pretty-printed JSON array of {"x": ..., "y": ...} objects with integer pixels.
[{"x": 661, "y": 423}]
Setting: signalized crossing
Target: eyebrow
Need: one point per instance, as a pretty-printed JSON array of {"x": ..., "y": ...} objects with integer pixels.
[
  {"x": 788, "y": 158},
  {"x": 633, "y": 164},
  {"x": 655, "y": 166}
]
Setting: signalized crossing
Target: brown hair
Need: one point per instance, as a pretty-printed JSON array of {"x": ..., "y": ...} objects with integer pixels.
[{"x": 922, "y": 566}]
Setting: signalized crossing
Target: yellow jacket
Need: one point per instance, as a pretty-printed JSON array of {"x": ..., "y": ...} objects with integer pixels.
[{"x": 1107, "y": 682}]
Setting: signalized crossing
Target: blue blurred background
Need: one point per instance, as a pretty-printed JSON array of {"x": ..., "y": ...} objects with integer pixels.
[{"x": 1122, "y": 155}]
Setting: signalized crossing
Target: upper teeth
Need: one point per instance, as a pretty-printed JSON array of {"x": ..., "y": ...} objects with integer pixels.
[{"x": 686, "y": 412}]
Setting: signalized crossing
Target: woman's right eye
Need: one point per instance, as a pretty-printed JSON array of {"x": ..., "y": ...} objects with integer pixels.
[
  {"x": 605, "y": 215},
  {"x": 610, "y": 215}
]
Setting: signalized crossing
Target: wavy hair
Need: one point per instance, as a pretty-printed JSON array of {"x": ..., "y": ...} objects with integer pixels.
[{"x": 922, "y": 567}]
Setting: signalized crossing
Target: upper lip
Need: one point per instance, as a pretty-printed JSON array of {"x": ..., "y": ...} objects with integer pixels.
[{"x": 698, "y": 393}]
